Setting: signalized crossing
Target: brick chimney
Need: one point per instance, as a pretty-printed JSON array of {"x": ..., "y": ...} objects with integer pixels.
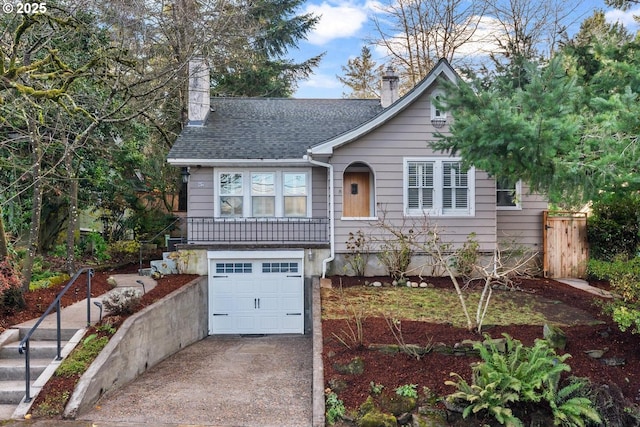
[
  {"x": 389, "y": 93},
  {"x": 199, "y": 91}
]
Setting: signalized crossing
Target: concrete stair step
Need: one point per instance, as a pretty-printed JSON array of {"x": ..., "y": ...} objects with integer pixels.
[
  {"x": 37, "y": 350},
  {"x": 46, "y": 334},
  {"x": 13, "y": 369},
  {"x": 6, "y": 411},
  {"x": 11, "y": 392}
]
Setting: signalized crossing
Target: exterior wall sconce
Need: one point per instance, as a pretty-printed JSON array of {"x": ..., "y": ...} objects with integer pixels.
[
  {"x": 185, "y": 174},
  {"x": 310, "y": 255}
]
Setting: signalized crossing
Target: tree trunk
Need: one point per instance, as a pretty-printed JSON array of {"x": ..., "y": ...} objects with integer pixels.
[
  {"x": 72, "y": 223},
  {"x": 32, "y": 244},
  {"x": 4, "y": 249}
]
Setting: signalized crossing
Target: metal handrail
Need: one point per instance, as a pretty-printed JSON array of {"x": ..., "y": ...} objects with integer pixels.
[
  {"x": 23, "y": 347},
  {"x": 151, "y": 240}
]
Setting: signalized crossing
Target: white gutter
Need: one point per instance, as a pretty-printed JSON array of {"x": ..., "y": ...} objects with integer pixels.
[{"x": 332, "y": 236}]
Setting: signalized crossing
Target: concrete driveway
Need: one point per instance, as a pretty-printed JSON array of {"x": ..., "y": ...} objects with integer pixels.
[{"x": 220, "y": 381}]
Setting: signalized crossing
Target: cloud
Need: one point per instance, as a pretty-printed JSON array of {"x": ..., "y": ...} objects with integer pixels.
[
  {"x": 340, "y": 20},
  {"x": 623, "y": 17}
]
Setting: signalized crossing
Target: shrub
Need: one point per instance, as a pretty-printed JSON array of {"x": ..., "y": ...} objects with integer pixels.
[
  {"x": 527, "y": 375},
  {"x": 396, "y": 253},
  {"x": 124, "y": 250},
  {"x": 335, "y": 409},
  {"x": 358, "y": 256},
  {"x": 624, "y": 277},
  {"x": 10, "y": 286},
  {"x": 613, "y": 228},
  {"x": 466, "y": 258},
  {"x": 408, "y": 390},
  {"x": 122, "y": 301},
  {"x": 94, "y": 244}
]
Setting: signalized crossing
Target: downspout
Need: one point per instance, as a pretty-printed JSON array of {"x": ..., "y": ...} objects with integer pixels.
[{"x": 332, "y": 253}]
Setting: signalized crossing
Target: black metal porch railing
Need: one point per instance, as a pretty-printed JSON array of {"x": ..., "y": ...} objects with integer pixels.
[
  {"x": 258, "y": 230},
  {"x": 23, "y": 348}
]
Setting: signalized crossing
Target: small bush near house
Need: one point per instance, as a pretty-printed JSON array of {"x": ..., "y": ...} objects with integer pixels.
[
  {"x": 396, "y": 253},
  {"x": 122, "y": 301},
  {"x": 359, "y": 251},
  {"x": 613, "y": 228},
  {"x": 624, "y": 277}
]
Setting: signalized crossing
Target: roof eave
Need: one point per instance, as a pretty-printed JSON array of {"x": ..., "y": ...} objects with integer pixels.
[{"x": 237, "y": 162}]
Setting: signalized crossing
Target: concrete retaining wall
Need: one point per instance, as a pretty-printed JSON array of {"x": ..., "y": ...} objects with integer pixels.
[{"x": 144, "y": 339}]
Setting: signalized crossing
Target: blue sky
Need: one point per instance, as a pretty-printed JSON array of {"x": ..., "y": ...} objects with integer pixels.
[{"x": 345, "y": 25}]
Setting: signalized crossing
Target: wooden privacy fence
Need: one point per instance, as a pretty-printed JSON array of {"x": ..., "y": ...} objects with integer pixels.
[{"x": 566, "y": 250}]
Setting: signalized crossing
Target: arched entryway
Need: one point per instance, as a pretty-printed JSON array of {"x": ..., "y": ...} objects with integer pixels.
[{"x": 358, "y": 195}]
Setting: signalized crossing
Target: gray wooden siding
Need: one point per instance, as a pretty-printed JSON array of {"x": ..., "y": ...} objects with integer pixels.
[
  {"x": 384, "y": 150},
  {"x": 200, "y": 193},
  {"x": 319, "y": 190},
  {"x": 524, "y": 226}
]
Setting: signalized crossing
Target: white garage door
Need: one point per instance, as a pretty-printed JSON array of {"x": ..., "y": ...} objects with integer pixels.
[{"x": 256, "y": 296}]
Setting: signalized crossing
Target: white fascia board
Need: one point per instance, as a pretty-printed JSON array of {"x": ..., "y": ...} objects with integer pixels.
[
  {"x": 327, "y": 148},
  {"x": 249, "y": 254},
  {"x": 237, "y": 162}
]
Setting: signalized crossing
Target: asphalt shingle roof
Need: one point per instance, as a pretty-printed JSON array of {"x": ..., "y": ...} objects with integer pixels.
[{"x": 270, "y": 128}]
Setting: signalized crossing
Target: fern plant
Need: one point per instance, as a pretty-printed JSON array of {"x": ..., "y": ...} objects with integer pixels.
[
  {"x": 520, "y": 374},
  {"x": 571, "y": 409}
]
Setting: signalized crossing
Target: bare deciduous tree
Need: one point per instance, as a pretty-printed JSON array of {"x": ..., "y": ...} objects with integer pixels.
[{"x": 416, "y": 33}]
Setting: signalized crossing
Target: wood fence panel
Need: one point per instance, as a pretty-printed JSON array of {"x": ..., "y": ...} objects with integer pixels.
[{"x": 566, "y": 250}]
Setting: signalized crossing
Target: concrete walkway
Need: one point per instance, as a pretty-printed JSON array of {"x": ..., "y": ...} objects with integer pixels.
[
  {"x": 584, "y": 285},
  {"x": 75, "y": 315}
]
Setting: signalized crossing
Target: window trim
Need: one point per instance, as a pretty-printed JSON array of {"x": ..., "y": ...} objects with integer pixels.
[
  {"x": 438, "y": 186},
  {"x": 518, "y": 196},
  {"x": 434, "y": 109},
  {"x": 247, "y": 206}
]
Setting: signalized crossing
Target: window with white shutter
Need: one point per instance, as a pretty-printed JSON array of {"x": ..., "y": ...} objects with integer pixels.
[{"x": 438, "y": 187}]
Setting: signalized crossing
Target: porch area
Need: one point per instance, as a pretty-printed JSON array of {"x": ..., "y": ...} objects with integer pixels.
[{"x": 280, "y": 231}]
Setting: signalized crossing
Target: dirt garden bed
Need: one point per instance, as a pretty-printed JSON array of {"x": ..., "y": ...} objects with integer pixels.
[{"x": 537, "y": 301}]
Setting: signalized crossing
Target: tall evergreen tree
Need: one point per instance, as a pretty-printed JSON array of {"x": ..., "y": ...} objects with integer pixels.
[
  {"x": 258, "y": 67},
  {"x": 362, "y": 76},
  {"x": 568, "y": 130}
]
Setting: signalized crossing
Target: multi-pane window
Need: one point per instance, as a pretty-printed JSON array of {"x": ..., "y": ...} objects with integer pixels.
[
  {"x": 438, "y": 187},
  {"x": 455, "y": 187},
  {"x": 231, "y": 194},
  {"x": 507, "y": 194},
  {"x": 420, "y": 191},
  {"x": 294, "y": 190},
  {"x": 263, "y": 194}
]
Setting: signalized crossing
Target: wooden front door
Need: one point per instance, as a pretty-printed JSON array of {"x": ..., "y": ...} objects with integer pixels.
[{"x": 356, "y": 195}]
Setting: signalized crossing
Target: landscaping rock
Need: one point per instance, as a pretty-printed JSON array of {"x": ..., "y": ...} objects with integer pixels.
[
  {"x": 595, "y": 354},
  {"x": 432, "y": 419},
  {"x": 555, "y": 336},
  {"x": 499, "y": 343},
  {"x": 613, "y": 361},
  {"x": 377, "y": 419},
  {"x": 354, "y": 367},
  {"x": 337, "y": 385},
  {"x": 396, "y": 404},
  {"x": 425, "y": 285},
  {"x": 413, "y": 284},
  {"x": 376, "y": 284},
  {"x": 385, "y": 348}
]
